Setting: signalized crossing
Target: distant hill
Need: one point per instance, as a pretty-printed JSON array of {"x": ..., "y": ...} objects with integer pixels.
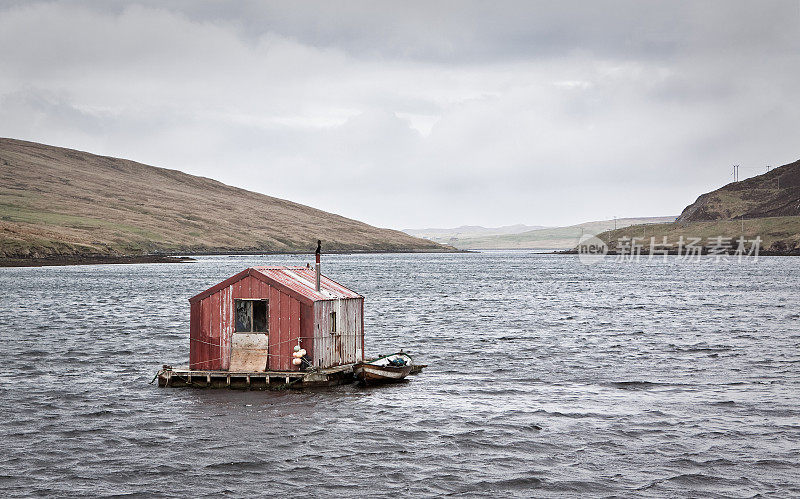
[
  {"x": 445, "y": 235},
  {"x": 551, "y": 237},
  {"x": 766, "y": 206},
  {"x": 779, "y": 235},
  {"x": 773, "y": 194},
  {"x": 62, "y": 202}
]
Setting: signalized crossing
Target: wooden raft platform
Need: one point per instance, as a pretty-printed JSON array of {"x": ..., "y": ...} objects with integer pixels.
[{"x": 268, "y": 380}]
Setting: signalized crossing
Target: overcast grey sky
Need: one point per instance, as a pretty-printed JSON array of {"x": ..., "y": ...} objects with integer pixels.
[{"x": 418, "y": 114}]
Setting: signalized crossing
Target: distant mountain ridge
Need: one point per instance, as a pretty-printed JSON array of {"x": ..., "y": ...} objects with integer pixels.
[
  {"x": 62, "y": 202},
  {"x": 444, "y": 235},
  {"x": 772, "y": 194},
  {"x": 548, "y": 237}
]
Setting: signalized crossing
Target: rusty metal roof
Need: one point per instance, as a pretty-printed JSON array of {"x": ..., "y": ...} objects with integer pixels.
[
  {"x": 300, "y": 281},
  {"x": 303, "y": 280}
]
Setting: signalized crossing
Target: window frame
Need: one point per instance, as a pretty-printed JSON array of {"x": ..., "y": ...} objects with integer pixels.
[{"x": 251, "y": 315}]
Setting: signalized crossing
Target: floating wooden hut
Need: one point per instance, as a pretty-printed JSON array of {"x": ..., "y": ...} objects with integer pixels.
[
  {"x": 252, "y": 321},
  {"x": 245, "y": 330}
]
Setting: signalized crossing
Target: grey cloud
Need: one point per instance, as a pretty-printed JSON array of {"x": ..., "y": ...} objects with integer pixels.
[
  {"x": 480, "y": 31},
  {"x": 472, "y": 31},
  {"x": 417, "y": 114}
]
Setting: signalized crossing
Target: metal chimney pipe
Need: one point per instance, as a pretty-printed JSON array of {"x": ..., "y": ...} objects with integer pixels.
[{"x": 319, "y": 265}]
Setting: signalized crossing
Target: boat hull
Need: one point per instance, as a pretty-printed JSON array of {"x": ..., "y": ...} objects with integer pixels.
[{"x": 380, "y": 374}]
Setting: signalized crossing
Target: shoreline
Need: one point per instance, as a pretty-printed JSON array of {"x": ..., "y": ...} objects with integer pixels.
[
  {"x": 703, "y": 252},
  {"x": 311, "y": 252},
  {"x": 91, "y": 260},
  {"x": 62, "y": 261}
]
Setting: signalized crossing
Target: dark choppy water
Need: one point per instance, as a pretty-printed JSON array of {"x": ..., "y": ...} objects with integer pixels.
[{"x": 546, "y": 378}]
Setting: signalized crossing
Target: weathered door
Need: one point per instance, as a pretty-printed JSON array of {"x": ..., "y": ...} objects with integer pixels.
[
  {"x": 250, "y": 341},
  {"x": 249, "y": 352}
]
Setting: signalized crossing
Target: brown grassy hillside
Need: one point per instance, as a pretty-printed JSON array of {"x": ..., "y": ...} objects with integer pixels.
[
  {"x": 773, "y": 194},
  {"x": 779, "y": 235},
  {"x": 766, "y": 206},
  {"x": 59, "y": 202}
]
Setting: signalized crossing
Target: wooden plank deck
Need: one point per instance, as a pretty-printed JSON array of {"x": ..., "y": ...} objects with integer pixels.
[{"x": 267, "y": 380}]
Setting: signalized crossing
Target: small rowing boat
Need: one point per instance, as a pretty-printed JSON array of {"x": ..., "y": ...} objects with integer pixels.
[{"x": 385, "y": 369}]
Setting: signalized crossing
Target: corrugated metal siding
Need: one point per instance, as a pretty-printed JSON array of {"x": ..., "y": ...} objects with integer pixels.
[
  {"x": 284, "y": 348},
  {"x": 307, "y": 330},
  {"x": 216, "y": 349},
  {"x": 345, "y": 346},
  {"x": 225, "y": 325},
  {"x": 195, "y": 339},
  {"x": 274, "y": 327},
  {"x": 302, "y": 280}
]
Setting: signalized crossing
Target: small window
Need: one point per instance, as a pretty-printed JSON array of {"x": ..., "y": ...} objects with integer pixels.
[
  {"x": 333, "y": 322},
  {"x": 251, "y": 316}
]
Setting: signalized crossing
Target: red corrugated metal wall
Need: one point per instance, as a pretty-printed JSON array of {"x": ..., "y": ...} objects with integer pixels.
[{"x": 211, "y": 325}]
